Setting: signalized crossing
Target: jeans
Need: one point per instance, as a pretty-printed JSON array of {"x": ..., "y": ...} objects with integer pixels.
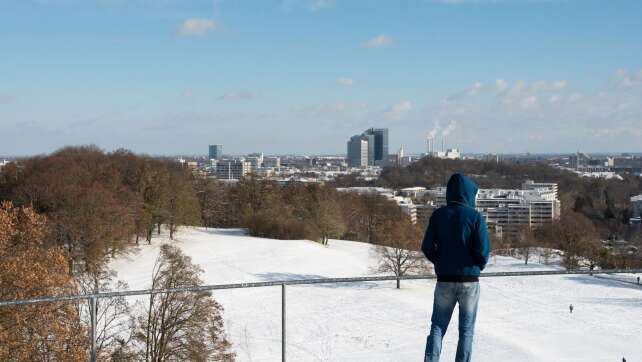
[{"x": 446, "y": 296}]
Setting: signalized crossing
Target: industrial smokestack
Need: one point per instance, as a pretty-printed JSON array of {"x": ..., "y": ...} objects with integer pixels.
[{"x": 443, "y": 144}]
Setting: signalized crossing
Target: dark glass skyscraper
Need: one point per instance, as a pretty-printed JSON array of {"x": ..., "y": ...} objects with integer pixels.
[
  {"x": 380, "y": 152},
  {"x": 216, "y": 152}
]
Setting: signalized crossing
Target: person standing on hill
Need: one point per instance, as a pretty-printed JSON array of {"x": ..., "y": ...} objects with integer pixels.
[{"x": 456, "y": 242}]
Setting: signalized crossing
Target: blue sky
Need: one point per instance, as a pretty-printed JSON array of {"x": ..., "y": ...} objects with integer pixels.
[{"x": 301, "y": 76}]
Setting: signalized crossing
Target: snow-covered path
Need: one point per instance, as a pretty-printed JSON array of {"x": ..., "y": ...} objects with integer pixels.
[{"x": 520, "y": 318}]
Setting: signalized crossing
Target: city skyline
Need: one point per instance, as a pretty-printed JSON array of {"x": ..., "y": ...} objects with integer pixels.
[{"x": 302, "y": 76}]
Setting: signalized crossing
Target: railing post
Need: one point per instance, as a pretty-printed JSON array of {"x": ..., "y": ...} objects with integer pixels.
[
  {"x": 283, "y": 322},
  {"x": 92, "y": 328}
]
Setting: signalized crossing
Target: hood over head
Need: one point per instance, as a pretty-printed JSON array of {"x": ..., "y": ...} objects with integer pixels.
[{"x": 461, "y": 189}]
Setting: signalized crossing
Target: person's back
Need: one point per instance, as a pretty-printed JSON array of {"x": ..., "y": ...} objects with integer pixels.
[{"x": 456, "y": 242}]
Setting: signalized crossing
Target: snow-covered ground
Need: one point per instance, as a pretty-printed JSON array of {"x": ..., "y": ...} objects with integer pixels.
[{"x": 520, "y": 318}]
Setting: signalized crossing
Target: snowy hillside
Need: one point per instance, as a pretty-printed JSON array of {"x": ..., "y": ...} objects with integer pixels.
[{"x": 520, "y": 318}]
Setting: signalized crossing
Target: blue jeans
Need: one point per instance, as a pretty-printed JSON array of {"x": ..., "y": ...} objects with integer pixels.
[{"x": 446, "y": 296}]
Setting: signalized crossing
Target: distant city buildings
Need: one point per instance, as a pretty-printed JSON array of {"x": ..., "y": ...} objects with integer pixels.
[
  {"x": 215, "y": 152},
  {"x": 401, "y": 159},
  {"x": 369, "y": 148},
  {"x": 272, "y": 162},
  {"x": 604, "y": 166},
  {"x": 255, "y": 160},
  {"x": 445, "y": 153}
]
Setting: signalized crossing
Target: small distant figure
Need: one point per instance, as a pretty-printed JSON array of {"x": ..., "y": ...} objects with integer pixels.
[
  {"x": 570, "y": 308},
  {"x": 624, "y": 359},
  {"x": 638, "y": 280}
]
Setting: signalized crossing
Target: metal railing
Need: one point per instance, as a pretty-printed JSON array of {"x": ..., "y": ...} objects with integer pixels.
[{"x": 92, "y": 298}]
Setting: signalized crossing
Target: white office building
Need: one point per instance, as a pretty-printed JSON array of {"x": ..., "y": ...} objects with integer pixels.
[
  {"x": 232, "y": 169},
  {"x": 358, "y": 150},
  {"x": 506, "y": 210}
]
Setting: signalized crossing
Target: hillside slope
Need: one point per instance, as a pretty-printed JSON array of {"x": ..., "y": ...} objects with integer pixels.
[{"x": 520, "y": 319}]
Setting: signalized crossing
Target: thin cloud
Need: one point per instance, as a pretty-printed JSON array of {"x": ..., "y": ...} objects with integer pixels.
[
  {"x": 398, "y": 110},
  {"x": 6, "y": 99},
  {"x": 378, "y": 41},
  {"x": 464, "y": 2},
  {"x": 625, "y": 79},
  {"x": 311, "y": 5},
  {"x": 196, "y": 27},
  {"x": 240, "y": 95},
  {"x": 345, "y": 81},
  {"x": 488, "y": 114}
]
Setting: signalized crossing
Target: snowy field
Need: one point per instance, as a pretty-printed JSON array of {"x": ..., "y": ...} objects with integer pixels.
[{"x": 520, "y": 318}]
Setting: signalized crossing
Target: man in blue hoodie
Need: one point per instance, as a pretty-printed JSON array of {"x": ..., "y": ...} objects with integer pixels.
[{"x": 456, "y": 242}]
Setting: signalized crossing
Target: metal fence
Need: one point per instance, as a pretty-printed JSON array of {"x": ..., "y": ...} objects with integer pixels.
[{"x": 92, "y": 298}]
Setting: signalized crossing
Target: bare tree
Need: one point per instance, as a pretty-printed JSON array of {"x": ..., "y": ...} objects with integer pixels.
[
  {"x": 524, "y": 242},
  {"x": 400, "y": 253},
  {"x": 327, "y": 216},
  {"x": 113, "y": 325},
  {"x": 181, "y": 326},
  {"x": 573, "y": 233},
  {"x": 182, "y": 207}
]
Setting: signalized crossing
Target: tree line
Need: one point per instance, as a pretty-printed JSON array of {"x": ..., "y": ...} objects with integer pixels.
[
  {"x": 97, "y": 203},
  {"x": 300, "y": 211}
]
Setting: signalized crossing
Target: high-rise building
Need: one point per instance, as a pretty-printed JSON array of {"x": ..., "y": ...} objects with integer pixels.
[
  {"x": 371, "y": 148},
  {"x": 380, "y": 146},
  {"x": 232, "y": 169},
  {"x": 216, "y": 152},
  {"x": 358, "y": 147}
]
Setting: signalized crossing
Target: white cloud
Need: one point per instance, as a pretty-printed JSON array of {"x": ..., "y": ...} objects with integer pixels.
[
  {"x": 475, "y": 89},
  {"x": 378, "y": 41},
  {"x": 345, "y": 81},
  {"x": 517, "y": 116},
  {"x": 196, "y": 27},
  {"x": 240, "y": 95},
  {"x": 529, "y": 102},
  {"x": 624, "y": 79},
  {"x": 398, "y": 110}
]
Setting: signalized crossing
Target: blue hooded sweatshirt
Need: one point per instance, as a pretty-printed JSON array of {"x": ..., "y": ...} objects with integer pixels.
[{"x": 456, "y": 240}]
